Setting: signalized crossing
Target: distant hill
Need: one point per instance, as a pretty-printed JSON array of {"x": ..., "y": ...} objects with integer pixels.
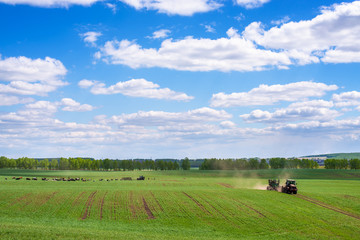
[{"x": 338, "y": 155}]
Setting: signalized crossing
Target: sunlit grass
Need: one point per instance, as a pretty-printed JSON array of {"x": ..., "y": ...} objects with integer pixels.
[{"x": 178, "y": 205}]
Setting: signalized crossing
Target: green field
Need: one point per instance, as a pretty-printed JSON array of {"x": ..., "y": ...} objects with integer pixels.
[{"x": 180, "y": 205}]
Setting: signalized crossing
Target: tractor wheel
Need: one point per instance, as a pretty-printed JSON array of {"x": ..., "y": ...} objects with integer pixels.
[{"x": 295, "y": 192}]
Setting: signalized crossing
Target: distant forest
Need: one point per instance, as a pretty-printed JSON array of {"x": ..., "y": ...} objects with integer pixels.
[
  {"x": 172, "y": 164},
  {"x": 347, "y": 156}
]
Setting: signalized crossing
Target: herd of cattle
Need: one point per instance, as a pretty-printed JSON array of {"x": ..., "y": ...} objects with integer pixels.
[{"x": 77, "y": 179}]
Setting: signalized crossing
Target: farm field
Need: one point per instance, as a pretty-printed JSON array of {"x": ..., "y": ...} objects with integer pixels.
[{"x": 180, "y": 205}]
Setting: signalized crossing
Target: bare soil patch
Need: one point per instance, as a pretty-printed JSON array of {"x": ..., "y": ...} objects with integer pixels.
[
  {"x": 147, "y": 209},
  {"x": 102, "y": 205},
  {"x": 89, "y": 203}
]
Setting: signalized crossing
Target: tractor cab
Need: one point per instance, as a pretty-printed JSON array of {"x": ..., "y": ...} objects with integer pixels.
[
  {"x": 290, "y": 187},
  {"x": 290, "y": 182}
]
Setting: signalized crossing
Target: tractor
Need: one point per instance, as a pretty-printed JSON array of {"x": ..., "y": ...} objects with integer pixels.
[
  {"x": 141, "y": 178},
  {"x": 273, "y": 184},
  {"x": 290, "y": 187}
]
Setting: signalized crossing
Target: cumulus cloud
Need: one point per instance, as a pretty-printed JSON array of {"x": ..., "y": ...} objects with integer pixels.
[
  {"x": 91, "y": 37},
  {"x": 51, "y": 3},
  {"x": 160, "y": 118},
  {"x": 249, "y": 4},
  {"x": 227, "y": 124},
  {"x": 337, "y": 129},
  {"x": 135, "y": 88},
  {"x": 8, "y": 100},
  {"x": 223, "y": 54},
  {"x": 73, "y": 106},
  {"x": 347, "y": 99},
  {"x": 31, "y": 76},
  {"x": 162, "y": 33},
  {"x": 294, "y": 112},
  {"x": 175, "y": 7},
  {"x": 270, "y": 94},
  {"x": 330, "y": 37}
]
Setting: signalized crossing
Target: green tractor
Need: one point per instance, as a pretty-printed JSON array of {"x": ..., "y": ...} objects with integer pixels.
[
  {"x": 290, "y": 187},
  {"x": 273, "y": 185}
]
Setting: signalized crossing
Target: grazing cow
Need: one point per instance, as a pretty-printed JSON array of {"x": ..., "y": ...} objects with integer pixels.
[
  {"x": 13, "y": 177},
  {"x": 126, "y": 178},
  {"x": 34, "y": 178},
  {"x": 44, "y": 179},
  {"x": 101, "y": 179},
  {"x": 28, "y": 178},
  {"x": 5, "y": 178},
  {"x": 18, "y": 178}
]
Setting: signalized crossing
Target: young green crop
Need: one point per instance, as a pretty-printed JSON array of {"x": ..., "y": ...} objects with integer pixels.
[{"x": 179, "y": 205}]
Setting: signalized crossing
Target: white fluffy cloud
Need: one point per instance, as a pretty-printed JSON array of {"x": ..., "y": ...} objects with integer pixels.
[
  {"x": 162, "y": 33},
  {"x": 31, "y": 76},
  {"x": 330, "y": 37},
  {"x": 251, "y": 3},
  {"x": 301, "y": 111},
  {"x": 175, "y": 7},
  {"x": 71, "y": 105},
  {"x": 338, "y": 130},
  {"x": 160, "y": 118},
  {"x": 51, "y": 3},
  {"x": 135, "y": 88},
  {"x": 223, "y": 54},
  {"x": 91, "y": 37},
  {"x": 8, "y": 100},
  {"x": 347, "y": 99},
  {"x": 270, "y": 94}
]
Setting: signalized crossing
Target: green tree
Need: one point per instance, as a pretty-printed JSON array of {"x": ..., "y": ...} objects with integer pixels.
[
  {"x": 254, "y": 163},
  {"x": 4, "y": 162},
  {"x": 64, "y": 164},
  {"x": 185, "y": 164},
  {"x": 354, "y": 164},
  {"x": 44, "y": 164},
  {"x": 106, "y": 164},
  {"x": 263, "y": 164}
]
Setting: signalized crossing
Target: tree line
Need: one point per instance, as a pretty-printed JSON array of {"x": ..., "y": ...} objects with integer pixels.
[
  {"x": 254, "y": 163},
  {"x": 171, "y": 164},
  {"x": 93, "y": 164},
  {"x": 342, "y": 164}
]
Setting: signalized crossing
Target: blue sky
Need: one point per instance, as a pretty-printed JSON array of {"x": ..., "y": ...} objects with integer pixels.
[{"x": 168, "y": 78}]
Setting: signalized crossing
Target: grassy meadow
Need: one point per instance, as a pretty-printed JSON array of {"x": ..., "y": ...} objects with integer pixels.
[{"x": 180, "y": 205}]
